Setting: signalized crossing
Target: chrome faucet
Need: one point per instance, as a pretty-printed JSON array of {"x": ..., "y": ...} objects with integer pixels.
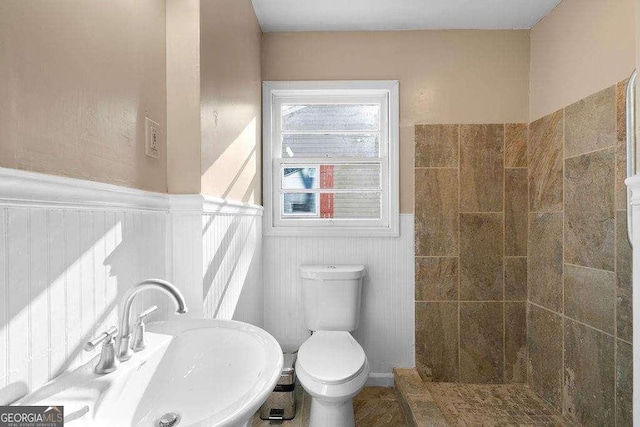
[
  {"x": 124, "y": 352},
  {"x": 108, "y": 361}
]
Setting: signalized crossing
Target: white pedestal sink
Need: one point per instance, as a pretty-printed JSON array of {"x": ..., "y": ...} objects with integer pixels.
[{"x": 208, "y": 372}]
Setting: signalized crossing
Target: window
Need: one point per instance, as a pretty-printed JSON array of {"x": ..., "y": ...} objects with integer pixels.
[{"x": 331, "y": 158}]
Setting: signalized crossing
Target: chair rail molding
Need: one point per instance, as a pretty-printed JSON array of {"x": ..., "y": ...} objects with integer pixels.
[{"x": 23, "y": 188}]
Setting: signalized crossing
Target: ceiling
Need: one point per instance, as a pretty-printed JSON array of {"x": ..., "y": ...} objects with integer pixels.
[{"x": 381, "y": 15}]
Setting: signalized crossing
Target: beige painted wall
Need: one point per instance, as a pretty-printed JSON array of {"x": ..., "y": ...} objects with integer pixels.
[
  {"x": 581, "y": 47},
  {"x": 78, "y": 79},
  {"x": 230, "y": 100},
  {"x": 183, "y": 96},
  {"x": 461, "y": 76}
]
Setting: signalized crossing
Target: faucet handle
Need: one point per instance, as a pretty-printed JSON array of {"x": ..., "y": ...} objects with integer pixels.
[
  {"x": 142, "y": 316},
  {"x": 106, "y": 335},
  {"x": 139, "y": 343}
]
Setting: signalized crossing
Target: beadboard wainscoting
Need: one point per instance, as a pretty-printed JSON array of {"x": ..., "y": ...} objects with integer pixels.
[
  {"x": 386, "y": 329},
  {"x": 232, "y": 267},
  {"x": 69, "y": 249},
  {"x": 63, "y": 272}
]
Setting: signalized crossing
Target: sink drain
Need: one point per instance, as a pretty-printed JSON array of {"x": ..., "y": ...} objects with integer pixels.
[{"x": 169, "y": 419}]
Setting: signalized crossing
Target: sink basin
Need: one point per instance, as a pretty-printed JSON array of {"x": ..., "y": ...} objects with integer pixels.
[{"x": 209, "y": 372}]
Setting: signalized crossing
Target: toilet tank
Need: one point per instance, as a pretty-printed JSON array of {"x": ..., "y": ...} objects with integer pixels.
[{"x": 331, "y": 296}]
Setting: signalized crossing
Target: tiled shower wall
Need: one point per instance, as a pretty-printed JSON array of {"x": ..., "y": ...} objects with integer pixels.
[
  {"x": 471, "y": 248},
  {"x": 579, "y": 304}
]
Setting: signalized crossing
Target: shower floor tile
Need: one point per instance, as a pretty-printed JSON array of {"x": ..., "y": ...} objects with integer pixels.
[
  {"x": 454, "y": 404},
  {"x": 493, "y": 405}
]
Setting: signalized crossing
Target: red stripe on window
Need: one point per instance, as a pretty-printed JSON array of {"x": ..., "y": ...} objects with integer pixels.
[{"x": 326, "y": 200}]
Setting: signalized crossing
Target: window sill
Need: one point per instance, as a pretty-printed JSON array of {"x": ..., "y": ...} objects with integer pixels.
[{"x": 331, "y": 232}]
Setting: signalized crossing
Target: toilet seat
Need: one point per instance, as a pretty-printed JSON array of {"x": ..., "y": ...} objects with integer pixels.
[{"x": 332, "y": 357}]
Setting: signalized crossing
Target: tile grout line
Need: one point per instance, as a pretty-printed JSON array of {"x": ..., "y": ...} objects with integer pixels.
[
  {"x": 471, "y": 301},
  {"x": 526, "y": 304},
  {"x": 608, "y": 147},
  {"x": 589, "y": 268},
  {"x": 564, "y": 171},
  {"x": 615, "y": 255},
  {"x": 504, "y": 252},
  {"x": 434, "y": 167},
  {"x": 459, "y": 249},
  {"x": 565, "y": 317},
  {"x": 415, "y": 252},
  {"x": 526, "y": 313}
]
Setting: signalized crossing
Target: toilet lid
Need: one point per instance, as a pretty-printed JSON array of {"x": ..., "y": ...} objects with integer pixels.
[{"x": 331, "y": 357}]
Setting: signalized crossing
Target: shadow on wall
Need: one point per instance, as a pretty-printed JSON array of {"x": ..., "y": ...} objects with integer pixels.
[
  {"x": 232, "y": 264},
  {"x": 65, "y": 272}
]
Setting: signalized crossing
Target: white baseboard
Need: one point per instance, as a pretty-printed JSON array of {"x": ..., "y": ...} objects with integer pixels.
[{"x": 380, "y": 380}]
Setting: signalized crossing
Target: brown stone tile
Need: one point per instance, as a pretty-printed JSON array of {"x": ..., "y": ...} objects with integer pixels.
[
  {"x": 624, "y": 313},
  {"x": 515, "y": 342},
  {"x": 516, "y": 209},
  {"x": 437, "y": 145},
  {"x": 589, "y": 223},
  {"x": 481, "y": 257},
  {"x": 408, "y": 381},
  {"x": 515, "y": 279},
  {"x": 436, "y": 279},
  {"x": 379, "y": 407},
  {"x": 544, "y": 342},
  {"x": 425, "y": 412},
  {"x": 589, "y": 296},
  {"x": 493, "y": 405},
  {"x": 436, "y": 212},
  {"x": 407, "y": 385},
  {"x": 544, "y": 154},
  {"x": 481, "y": 342},
  {"x": 545, "y": 260},
  {"x": 515, "y": 145},
  {"x": 376, "y": 393},
  {"x": 621, "y": 145},
  {"x": 481, "y": 168},
  {"x": 437, "y": 340},
  {"x": 624, "y": 384},
  {"x": 590, "y": 124},
  {"x": 589, "y": 378}
]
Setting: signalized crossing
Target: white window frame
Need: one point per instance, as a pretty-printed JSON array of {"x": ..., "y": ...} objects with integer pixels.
[{"x": 274, "y": 93}]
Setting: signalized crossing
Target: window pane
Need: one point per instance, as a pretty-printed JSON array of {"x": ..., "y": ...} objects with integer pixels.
[
  {"x": 352, "y": 117},
  {"x": 301, "y": 145},
  {"x": 300, "y": 178},
  {"x": 332, "y": 205},
  {"x": 300, "y": 204},
  {"x": 343, "y": 177}
]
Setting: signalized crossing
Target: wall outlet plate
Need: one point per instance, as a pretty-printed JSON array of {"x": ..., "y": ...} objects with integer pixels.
[{"x": 152, "y": 138}]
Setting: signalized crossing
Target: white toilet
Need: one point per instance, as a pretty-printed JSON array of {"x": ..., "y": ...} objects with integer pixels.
[{"x": 331, "y": 365}]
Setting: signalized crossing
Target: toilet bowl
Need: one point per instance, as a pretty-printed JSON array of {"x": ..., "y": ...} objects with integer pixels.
[{"x": 332, "y": 367}]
